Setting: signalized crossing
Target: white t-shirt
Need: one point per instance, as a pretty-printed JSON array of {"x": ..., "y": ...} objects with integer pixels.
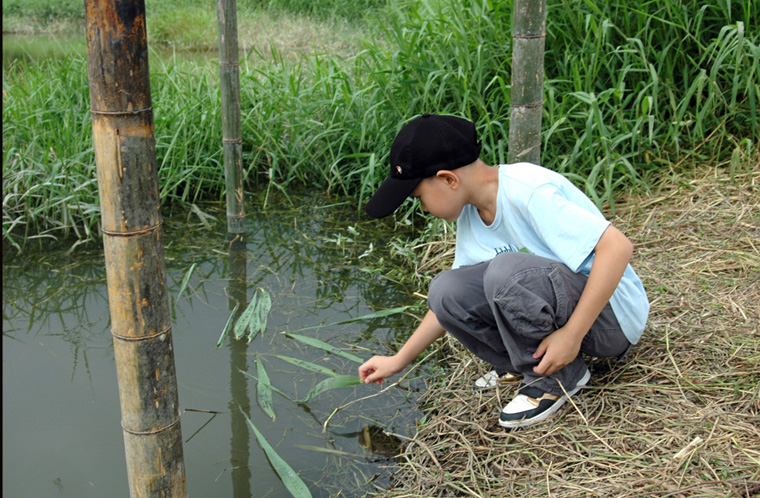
[{"x": 541, "y": 211}]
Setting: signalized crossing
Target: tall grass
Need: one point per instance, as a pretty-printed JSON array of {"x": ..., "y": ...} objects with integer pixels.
[{"x": 631, "y": 86}]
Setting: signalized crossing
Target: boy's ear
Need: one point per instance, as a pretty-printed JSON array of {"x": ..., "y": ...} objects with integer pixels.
[{"x": 451, "y": 178}]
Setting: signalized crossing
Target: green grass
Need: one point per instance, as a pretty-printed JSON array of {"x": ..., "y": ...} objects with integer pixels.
[{"x": 631, "y": 87}]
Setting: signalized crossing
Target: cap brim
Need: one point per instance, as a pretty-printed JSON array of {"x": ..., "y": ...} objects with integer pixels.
[{"x": 391, "y": 194}]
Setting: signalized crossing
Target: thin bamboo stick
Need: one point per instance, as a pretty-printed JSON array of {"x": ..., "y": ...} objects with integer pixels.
[
  {"x": 528, "y": 34},
  {"x": 122, "y": 124},
  {"x": 232, "y": 140}
]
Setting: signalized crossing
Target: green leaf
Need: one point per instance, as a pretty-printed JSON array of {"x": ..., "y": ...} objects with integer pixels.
[
  {"x": 227, "y": 326},
  {"x": 254, "y": 325},
  {"x": 324, "y": 346},
  {"x": 264, "y": 389},
  {"x": 307, "y": 365},
  {"x": 332, "y": 383},
  {"x": 288, "y": 476},
  {"x": 242, "y": 322},
  {"x": 185, "y": 280},
  {"x": 259, "y": 324}
]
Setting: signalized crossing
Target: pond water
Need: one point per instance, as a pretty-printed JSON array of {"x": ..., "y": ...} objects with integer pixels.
[{"x": 61, "y": 416}]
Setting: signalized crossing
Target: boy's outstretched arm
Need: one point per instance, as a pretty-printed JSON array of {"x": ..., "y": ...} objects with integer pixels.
[
  {"x": 377, "y": 368},
  {"x": 612, "y": 254}
]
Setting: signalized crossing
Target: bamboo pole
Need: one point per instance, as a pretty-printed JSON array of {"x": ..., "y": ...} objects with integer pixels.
[
  {"x": 232, "y": 141},
  {"x": 528, "y": 35},
  {"x": 122, "y": 126}
]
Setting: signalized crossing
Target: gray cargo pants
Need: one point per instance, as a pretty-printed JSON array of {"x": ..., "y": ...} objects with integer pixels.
[{"x": 502, "y": 309}]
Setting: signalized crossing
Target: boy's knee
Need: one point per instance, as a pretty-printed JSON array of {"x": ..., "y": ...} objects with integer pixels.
[{"x": 440, "y": 291}]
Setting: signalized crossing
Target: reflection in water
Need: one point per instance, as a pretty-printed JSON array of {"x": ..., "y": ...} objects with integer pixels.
[{"x": 237, "y": 298}]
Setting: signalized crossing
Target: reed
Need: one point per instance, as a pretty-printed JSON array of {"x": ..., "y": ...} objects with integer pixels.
[{"x": 631, "y": 87}]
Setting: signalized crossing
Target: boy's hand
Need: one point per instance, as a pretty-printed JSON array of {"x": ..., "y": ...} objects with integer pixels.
[
  {"x": 558, "y": 349},
  {"x": 377, "y": 368}
]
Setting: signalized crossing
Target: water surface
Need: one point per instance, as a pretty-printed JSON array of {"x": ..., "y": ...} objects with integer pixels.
[{"x": 61, "y": 415}]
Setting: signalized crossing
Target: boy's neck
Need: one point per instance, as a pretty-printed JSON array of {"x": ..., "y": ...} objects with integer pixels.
[{"x": 483, "y": 187}]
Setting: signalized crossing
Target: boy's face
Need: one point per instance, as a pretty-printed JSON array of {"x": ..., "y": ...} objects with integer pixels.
[{"x": 439, "y": 195}]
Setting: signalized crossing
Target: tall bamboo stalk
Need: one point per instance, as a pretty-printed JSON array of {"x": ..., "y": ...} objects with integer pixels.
[
  {"x": 232, "y": 140},
  {"x": 122, "y": 126},
  {"x": 528, "y": 35}
]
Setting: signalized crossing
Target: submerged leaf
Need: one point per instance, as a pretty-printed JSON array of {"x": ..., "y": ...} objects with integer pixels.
[
  {"x": 264, "y": 389},
  {"x": 307, "y": 365},
  {"x": 227, "y": 326},
  {"x": 288, "y": 476},
  {"x": 185, "y": 280},
  {"x": 324, "y": 346},
  {"x": 332, "y": 383}
]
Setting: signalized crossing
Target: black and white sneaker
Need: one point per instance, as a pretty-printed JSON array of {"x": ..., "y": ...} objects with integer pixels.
[
  {"x": 495, "y": 378},
  {"x": 532, "y": 405}
]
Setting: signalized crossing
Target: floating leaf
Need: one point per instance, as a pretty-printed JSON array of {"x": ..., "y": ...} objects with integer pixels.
[
  {"x": 324, "y": 346},
  {"x": 332, "y": 383},
  {"x": 242, "y": 322},
  {"x": 258, "y": 323},
  {"x": 288, "y": 476},
  {"x": 264, "y": 389},
  {"x": 266, "y": 306},
  {"x": 254, "y": 325},
  {"x": 307, "y": 365},
  {"x": 185, "y": 280},
  {"x": 376, "y": 314},
  {"x": 227, "y": 326}
]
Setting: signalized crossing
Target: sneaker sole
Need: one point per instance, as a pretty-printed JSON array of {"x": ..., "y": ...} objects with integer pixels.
[{"x": 512, "y": 424}]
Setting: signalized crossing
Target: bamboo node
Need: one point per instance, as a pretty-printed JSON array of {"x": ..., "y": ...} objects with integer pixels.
[
  {"x": 132, "y": 233},
  {"x": 127, "y": 338},
  {"x": 229, "y": 64},
  {"x": 236, "y": 141},
  {"x": 529, "y": 106},
  {"x": 111, "y": 113},
  {"x": 150, "y": 433}
]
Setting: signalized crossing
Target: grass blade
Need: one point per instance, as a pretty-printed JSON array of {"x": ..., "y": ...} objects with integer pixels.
[
  {"x": 185, "y": 280},
  {"x": 227, "y": 326},
  {"x": 324, "y": 346},
  {"x": 270, "y": 386},
  {"x": 264, "y": 390},
  {"x": 307, "y": 365},
  {"x": 332, "y": 383},
  {"x": 376, "y": 314},
  {"x": 287, "y": 475}
]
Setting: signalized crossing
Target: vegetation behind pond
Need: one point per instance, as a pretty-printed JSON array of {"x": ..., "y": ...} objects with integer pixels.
[{"x": 631, "y": 88}]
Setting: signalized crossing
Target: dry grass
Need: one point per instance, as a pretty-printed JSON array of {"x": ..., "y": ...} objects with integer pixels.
[{"x": 679, "y": 417}]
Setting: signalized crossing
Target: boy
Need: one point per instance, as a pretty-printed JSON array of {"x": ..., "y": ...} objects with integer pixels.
[{"x": 539, "y": 274}]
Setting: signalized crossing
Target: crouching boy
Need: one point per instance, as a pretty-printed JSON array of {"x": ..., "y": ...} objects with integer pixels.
[{"x": 539, "y": 274}]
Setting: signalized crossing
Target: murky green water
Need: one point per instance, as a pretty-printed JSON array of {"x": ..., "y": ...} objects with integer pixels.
[{"x": 61, "y": 417}]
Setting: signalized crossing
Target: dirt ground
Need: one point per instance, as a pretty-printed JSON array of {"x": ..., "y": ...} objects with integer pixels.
[{"x": 679, "y": 417}]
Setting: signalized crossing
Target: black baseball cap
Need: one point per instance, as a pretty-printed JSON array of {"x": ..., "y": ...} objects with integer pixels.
[{"x": 424, "y": 146}]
